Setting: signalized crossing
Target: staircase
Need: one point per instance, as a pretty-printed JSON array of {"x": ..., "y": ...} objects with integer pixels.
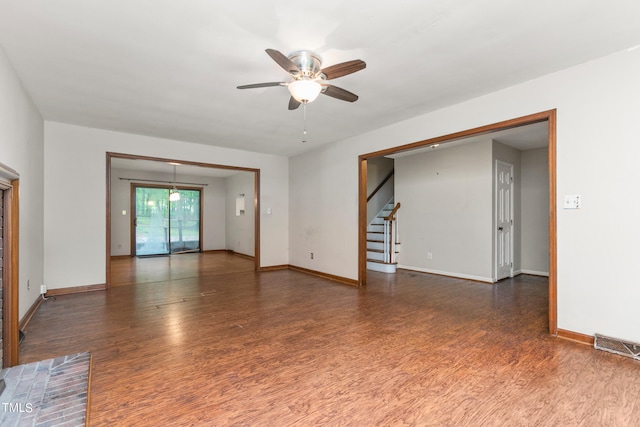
[{"x": 382, "y": 247}]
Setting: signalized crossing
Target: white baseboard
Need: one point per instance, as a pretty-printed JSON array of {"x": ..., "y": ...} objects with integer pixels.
[
  {"x": 535, "y": 273},
  {"x": 447, "y": 273}
]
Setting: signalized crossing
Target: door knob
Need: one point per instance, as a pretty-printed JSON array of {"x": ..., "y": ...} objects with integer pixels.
[{"x": 500, "y": 228}]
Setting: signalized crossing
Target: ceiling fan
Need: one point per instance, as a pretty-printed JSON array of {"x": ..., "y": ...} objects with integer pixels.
[{"x": 309, "y": 78}]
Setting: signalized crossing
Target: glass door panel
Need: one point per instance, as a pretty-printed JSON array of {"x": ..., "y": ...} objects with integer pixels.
[
  {"x": 151, "y": 221},
  {"x": 184, "y": 231},
  {"x": 164, "y": 227}
]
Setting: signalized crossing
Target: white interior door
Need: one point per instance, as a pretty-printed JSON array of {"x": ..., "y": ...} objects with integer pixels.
[{"x": 504, "y": 220}]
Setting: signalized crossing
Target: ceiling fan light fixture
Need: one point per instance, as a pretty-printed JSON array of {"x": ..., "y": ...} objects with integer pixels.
[{"x": 304, "y": 91}]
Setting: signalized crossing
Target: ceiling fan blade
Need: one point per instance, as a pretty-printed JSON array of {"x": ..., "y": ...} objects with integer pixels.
[
  {"x": 293, "y": 104},
  {"x": 283, "y": 61},
  {"x": 339, "y": 93},
  {"x": 343, "y": 69},
  {"x": 256, "y": 85}
]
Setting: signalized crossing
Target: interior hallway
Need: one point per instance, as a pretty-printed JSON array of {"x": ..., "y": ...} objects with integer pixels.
[{"x": 202, "y": 339}]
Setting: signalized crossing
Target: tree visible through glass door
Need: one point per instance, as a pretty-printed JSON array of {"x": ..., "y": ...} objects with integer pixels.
[
  {"x": 163, "y": 227},
  {"x": 151, "y": 221},
  {"x": 184, "y": 230}
]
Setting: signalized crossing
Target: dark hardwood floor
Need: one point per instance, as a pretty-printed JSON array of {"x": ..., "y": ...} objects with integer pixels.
[{"x": 204, "y": 340}]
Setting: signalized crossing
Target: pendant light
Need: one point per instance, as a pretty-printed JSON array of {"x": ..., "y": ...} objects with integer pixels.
[{"x": 174, "y": 195}]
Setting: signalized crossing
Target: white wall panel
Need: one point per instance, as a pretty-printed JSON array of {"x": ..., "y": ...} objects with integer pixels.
[
  {"x": 446, "y": 198},
  {"x": 21, "y": 149}
]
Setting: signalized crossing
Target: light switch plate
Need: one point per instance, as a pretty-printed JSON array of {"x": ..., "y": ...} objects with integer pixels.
[{"x": 572, "y": 201}]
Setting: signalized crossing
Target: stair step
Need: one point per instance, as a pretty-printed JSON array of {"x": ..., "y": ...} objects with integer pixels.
[
  {"x": 382, "y": 268},
  {"x": 378, "y": 256},
  {"x": 380, "y": 241}
]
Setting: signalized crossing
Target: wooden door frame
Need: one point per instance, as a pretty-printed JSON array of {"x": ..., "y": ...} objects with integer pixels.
[
  {"x": 544, "y": 116},
  {"x": 11, "y": 265},
  {"x": 256, "y": 200}
]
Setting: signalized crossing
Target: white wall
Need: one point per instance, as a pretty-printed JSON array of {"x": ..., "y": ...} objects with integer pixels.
[
  {"x": 535, "y": 211},
  {"x": 213, "y": 208},
  {"x": 448, "y": 209},
  {"x": 597, "y": 131},
  {"x": 323, "y": 210},
  {"x": 21, "y": 148},
  {"x": 240, "y": 229},
  {"x": 377, "y": 169},
  {"x": 75, "y": 227},
  {"x": 446, "y": 198},
  {"x": 441, "y": 210}
]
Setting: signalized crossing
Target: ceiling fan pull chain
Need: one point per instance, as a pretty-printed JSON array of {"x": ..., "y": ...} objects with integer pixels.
[{"x": 304, "y": 120}]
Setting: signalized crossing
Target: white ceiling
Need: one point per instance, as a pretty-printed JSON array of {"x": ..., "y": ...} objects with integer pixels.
[{"x": 170, "y": 68}]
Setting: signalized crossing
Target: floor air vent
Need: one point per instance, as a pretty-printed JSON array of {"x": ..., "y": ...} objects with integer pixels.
[{"x": 614, "y": 345}]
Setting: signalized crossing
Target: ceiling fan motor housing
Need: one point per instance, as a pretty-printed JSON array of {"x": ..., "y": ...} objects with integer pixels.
[
  {"x": 309, "y": 63},
  {"x": 309, "y": 78}
]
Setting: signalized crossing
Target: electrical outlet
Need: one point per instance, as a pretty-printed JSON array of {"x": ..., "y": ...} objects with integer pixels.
[
  {"x": 43, "y": 289},
  {"x": 429, "y": 255},
  {"x": 311, "y": 255},
  {"x": 28, "y": 284}
]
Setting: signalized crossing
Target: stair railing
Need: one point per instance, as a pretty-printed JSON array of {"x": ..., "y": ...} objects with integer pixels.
[{"x": 390, "y": 235}]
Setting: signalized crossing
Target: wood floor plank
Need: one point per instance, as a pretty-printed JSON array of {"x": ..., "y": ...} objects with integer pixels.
[{"x": 202, "y": 339}]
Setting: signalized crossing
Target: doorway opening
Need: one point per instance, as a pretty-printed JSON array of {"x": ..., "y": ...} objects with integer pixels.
[
  {"x": 145, "y": 217},
  {"x": 547, "y": 116}
]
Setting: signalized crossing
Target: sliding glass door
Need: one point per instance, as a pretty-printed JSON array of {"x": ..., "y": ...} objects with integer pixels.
[
  {"x": 184, "y": 220},
  {"x": 162, "y": 226},
  {"x": 151, "y": 221}
]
